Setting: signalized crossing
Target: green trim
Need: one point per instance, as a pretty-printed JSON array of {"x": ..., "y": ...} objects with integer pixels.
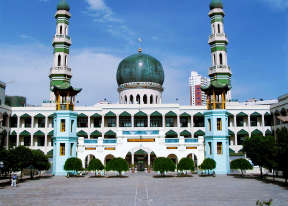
[
  {"x": 110, "y": 133},
  {"x": 217, "y": 20},
  {"x": 171, "y": 133},
  {"x": 62, "y": 15},
  {"x": 156, "y": 114},
  {"x": 51, "y": 115},
  {"x": 185, "y": 115},
  {"x": 219, "y": 48},
  {"x": 199, "y": 115},
  {"x": 96, "y": 133},
  {"x": 242, "y": 114},
  {"x": 255, "y": 114},
  {"x": 110, "y": 114},
  {"x": 243, "y": 132},
  {"x": 199, "y": 133},
  {"x": 25, "y": 116},
  {"x": 59, "y": 21},
  {"x": 51, "y": 133},
  {"x": 256, "y": 132},
  {"x": 171, "y": 114},
  {"x": 82, "y": 133},
  {"x": 39, "y": 116},
  {"x": 140, "y": 114},
  {"x": 96, "y": 115},
  {"x": 268, "y": 132},
  {"x": 66, "y": 51},
  {"x": 25, "y": 133},
  {"x": 231, "y": 132},
  {"x": 125, "y": 114},
  {"x": 185, "y": 133},
  {"x": 82, "y": 115},
  {"x": 39, "y": 133}
]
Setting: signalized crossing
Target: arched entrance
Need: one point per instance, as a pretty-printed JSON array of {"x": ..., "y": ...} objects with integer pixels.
[
  {"x": 140, "y": 159},
  {"x": 88, "y": 158},
  {"x": 108, "y": 158},
  {"x": 174, "y": 158}
]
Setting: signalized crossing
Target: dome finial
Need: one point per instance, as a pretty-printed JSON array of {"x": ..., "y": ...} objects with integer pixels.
[
  {"x": 216, "y": 4},
  {"x": 140, "y": 44}
]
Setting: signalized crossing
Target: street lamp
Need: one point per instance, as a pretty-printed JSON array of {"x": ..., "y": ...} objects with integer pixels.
[{"x": 1, "y": 165}]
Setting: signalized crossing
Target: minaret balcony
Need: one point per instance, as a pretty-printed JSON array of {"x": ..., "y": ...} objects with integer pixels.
[
  {"x": 61, "y": 70},
  {"x": 219, "y": 69},
  {"x": 218, "y": 37},
  {"x": 62, "y": 38}
]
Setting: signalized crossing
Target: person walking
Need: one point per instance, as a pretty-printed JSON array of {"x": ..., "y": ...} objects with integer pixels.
[{"x": 13, "y": 181}]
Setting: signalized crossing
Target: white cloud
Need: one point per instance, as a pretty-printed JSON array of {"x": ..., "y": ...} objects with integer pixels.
[{"x": 278, "y": 4}]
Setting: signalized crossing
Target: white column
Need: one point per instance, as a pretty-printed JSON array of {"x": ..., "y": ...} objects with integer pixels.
[
  {"x": 89, "y": 122},
  {"x": 45, "y": 142},
  {"x": 102, "y": 123},
  {"x": 132, "y": 121},
  {"x": 178, "y": 121},
  {"x": 192, "y": 122},
  {"x": 249, "y": 122},
  {"x": 18, "y": 122},
  {"x": 32, "y": 122},
  {"x": 31, "y": 144},
  {"x": 7, "y": 139},
  {"x": 46, "y": 122},
  {"x": 235, "y": 122},
  {"x": 149, "y": 159},
  {"x": 132, "y": 160},
  {"x": 117, "y": 121},
  {"x": 163, "y": 121},
  {"x": 17, "y": 140},
  {"x": 148, "y": 120}
]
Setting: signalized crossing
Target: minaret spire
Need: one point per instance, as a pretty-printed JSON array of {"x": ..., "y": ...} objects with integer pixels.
[{"x": 60, "y": 72}]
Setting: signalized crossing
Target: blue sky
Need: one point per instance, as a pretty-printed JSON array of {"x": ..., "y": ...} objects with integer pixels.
[{"x": 105, "y": 31}]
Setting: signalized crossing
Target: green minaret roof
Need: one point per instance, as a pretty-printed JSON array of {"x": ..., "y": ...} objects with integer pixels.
[
  {"x": 63, "y": 5},
  {"x": 216, "y": 4}
]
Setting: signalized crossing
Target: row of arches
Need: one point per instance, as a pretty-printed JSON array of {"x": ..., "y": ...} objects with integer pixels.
[
  {"x": 217, "y": 28},
  {"x": 140, "y": 159},
  {"x": 62, "y": 29},
  {"x": 219, "y": 58},
  {"x": 140, "y": 99},
  {"x": 62, "y": 60}
]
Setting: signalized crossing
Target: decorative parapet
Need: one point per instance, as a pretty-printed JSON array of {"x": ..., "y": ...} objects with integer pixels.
[
  {"x": 140, "y": 85},
  {"x": 219, "y": 69}
]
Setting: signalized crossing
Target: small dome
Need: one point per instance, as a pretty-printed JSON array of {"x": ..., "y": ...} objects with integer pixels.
[
  {"x": 63, "y": 5},
  {"x": 140, "y": 68},
  {"x": 216, "y": 4}
]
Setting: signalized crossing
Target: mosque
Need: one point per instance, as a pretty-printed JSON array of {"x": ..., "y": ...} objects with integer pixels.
[{"x": 140, "y": 127}]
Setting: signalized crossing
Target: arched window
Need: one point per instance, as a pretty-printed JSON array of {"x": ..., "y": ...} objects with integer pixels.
[
  {"x": 156, "y": 100},
  {"x": 125, "y": 99},
  {"x": 59, "y": 60},
  {"x": 61, "y": 30},
  {"x": 219, "y": 29},
  {"x": 131, "y": 99},
  {"x": 145, "y": 99},
  {"x": 221, "y": 58},
  {"x": 65, "y": 60},
  {"x": 151, "y": 99},
  {"x": 214, "y": 57},
  {"x": 138, "y": 99}
]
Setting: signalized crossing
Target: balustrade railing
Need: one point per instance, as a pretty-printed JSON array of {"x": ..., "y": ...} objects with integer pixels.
[
  {"x": 171, "y": 140},
  {"x": 90, "y": 141},
  {"x": 110, "y": 141},
  {"x": 191, "y": 140}
]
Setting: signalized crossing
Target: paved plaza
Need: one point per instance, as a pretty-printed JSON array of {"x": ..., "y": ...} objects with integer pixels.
[{"x": 141, "y": 190}]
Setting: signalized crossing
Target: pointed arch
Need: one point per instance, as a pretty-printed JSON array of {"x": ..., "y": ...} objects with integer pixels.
[
  {"x": 59, "y": 60},
  {"x": 219, "y": 29},
  {"x": 61, "y": 30},
  {"x": 151, "y": 99},
  {"x": 221, "y": 58},
  {"x": 131, "y": 99},
  {"x": 145, "y": 99}
]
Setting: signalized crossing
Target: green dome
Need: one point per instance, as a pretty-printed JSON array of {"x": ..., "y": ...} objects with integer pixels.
[
  {"x": 140, "y": 68},
  {"x": 63, "y": 5},
  {"x": 216, "y": 4}
]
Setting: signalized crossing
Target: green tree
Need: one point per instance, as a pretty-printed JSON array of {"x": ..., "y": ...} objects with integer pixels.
[
  {"x": 95, "y": 165},
  {"x": 186, "y": 164},
  {"x": 163, "y": 164},
  {"x": 40, "y": 161},
  {"x": 282, "y": 151},
  {"x": 117, "y": 164},
  {"x": 4, "y": 157},
  {"x": 208, "y": 164},
  {"x": 241, "y": 164},
  {"x": 261, "y": 150},
  {"x": 73, "y": 164},
  {"x": 21, "y": 157}
]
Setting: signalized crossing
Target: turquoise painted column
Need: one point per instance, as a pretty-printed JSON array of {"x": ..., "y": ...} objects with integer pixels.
[
  {"x": 64, "y": 141},
  {"x": 217, "y": 139}
]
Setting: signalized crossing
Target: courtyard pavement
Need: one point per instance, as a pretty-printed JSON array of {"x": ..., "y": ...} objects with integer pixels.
[{"x": 143, "y": 190}]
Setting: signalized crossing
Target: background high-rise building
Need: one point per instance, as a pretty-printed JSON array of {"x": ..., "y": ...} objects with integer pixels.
[{"x": 197, "y": 97}]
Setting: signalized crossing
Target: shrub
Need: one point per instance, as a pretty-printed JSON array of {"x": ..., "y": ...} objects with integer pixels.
[
  {"x": 73, "y": 164},
  {"x": 241, "y": 164},
  {"x": 163, "y": 165},
  {"x": 117, "y": 164},
  {"x": 208, "y": 164},
  {"x": 39, "y": 161},
  {"x": 186, "y": 164},
  {"x": 95, "y": 165}
]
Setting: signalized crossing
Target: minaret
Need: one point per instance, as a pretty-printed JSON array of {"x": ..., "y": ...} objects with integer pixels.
[
  {"x": 65, "y": 120},
  {"x": 60, "y": 72},
  {"x": 216, "y": 118}
]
